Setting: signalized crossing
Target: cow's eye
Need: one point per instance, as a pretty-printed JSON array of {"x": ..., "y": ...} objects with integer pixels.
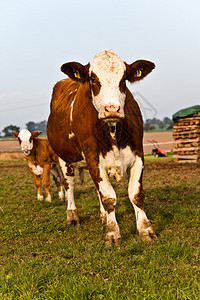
[
  {"x": 30, "y": 140},
  {"x": 93, "y": 80},
  {"x": 19, "y": 140}
]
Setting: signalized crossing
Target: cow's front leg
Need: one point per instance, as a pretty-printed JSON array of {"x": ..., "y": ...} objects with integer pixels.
[
  {"x": 107, "y": 207},
  {"x": 46, "y": 182},
  {"x": 136, "y": 196},
  {"x": 38, "y": 185},
  {"x": 68, "y": 182}
]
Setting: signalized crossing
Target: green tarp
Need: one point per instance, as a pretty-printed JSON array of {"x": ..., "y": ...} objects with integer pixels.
[{"x": 183, "y": 113}]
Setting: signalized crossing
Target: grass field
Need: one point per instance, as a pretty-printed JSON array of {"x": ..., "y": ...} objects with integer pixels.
[{"x": 41, "y": 257}]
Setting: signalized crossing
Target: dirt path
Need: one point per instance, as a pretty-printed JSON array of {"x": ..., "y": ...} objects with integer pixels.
[{"x": 164, "y": 139}]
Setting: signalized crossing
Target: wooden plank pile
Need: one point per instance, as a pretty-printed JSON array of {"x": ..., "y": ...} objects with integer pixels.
[{"x": 186, "y": 134}]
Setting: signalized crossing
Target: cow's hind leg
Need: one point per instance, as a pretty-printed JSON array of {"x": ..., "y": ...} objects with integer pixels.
[
  {"x": 46, "y": 182},
  {"x": 136, "y": 196},
  {"x": 68, "y": 182},
  {"x": 55, "y": 171}
]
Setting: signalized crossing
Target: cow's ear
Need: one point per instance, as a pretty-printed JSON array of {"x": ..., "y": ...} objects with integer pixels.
[
  {"x": 138, "y": 70},
  {"x": 76, "y": 71},
  {"x": 16, "y": 133},
  {"x": 36, "y": 133}
]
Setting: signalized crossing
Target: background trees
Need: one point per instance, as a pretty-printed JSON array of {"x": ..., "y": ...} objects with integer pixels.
[
  {"x": 150, "y": 125},
  {"x": 32, "y": 126},
  {"x": 8, "y": 130}
]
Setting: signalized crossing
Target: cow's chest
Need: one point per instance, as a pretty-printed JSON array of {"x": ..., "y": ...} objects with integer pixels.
[
  {"x": 36, "y": 169},
  {"x": 117, "y": 161}
]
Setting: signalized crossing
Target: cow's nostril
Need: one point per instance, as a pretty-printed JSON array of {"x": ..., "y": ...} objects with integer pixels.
[{"x": 112, "y": 111}]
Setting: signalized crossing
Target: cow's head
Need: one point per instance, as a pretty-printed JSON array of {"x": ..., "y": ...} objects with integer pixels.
[
  {"x": 107, "y": 74},
  {"x": 25, "y": 138}
]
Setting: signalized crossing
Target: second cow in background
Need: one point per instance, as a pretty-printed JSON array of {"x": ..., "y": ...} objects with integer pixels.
[{"x": 41, "y": 160}]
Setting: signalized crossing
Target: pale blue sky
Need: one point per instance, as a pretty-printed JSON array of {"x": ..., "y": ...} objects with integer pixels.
[{"x": 38, "y": 36}]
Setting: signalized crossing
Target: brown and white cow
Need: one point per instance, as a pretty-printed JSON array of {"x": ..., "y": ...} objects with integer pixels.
[
  {"x": 41, "y": 160},
  {"x": 95, "y": 117}
]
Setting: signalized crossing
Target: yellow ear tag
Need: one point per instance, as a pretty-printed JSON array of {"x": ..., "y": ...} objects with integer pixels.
[
  {"x": 138, "y": 73},
  {"x": 77, "y": 75}
]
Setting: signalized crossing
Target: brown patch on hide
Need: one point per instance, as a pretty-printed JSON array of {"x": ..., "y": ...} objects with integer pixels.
[
  {"x": 109, "y": 204},
  {"x": 139, "y": 200}
]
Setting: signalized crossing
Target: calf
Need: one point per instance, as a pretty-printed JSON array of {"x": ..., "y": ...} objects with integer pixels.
[
  {"x": 41, "y": 160},
  {"x": 95, "y": 117}
]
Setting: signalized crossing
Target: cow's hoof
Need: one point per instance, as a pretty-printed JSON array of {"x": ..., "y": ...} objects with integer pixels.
[
  {"x": 112, "y": 235},
  {"x": 62, "y": 199},
  {"x": 72, "y": 217},
  {"x": 48, "y": 198},
  {"x": 147, "y": 235},
  {"x": 61, "y": 195},
  {"x": 112, "y": 239},
  {"x": 40, "y": 197}
]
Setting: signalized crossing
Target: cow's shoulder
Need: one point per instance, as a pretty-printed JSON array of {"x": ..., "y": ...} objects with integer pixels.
[{"x": 63, "y": 90}]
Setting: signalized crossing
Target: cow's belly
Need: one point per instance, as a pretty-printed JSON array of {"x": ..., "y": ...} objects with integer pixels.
[{"x": 116, "y": 162}]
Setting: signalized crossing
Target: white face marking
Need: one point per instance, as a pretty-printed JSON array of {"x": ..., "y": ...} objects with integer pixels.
[
  {"x": 26, "y": 143},
  {"x": 37, "y": 170},
  {"x": 117, "y": 161},
  {"x": 109, "y": 68}
]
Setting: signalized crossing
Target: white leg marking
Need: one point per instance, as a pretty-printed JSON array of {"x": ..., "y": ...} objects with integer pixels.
[
  {"x": 103, "y": 214},
  {"x": 48, "y": 198},
  {"x": 61, "y": 193},
  {"x": 143, "y": 225},
  {"x": 70, "y": 193},
  {"x": 135, "y": 174},
  {"x": 70, "y": 181},
  {"x": 142, "y": 222},
  {"x": 105, "y": 186},
  {"x": 109, "y": 196},
  {"x": 40, "y": 197},
  {"x": 112, "y": 230}
]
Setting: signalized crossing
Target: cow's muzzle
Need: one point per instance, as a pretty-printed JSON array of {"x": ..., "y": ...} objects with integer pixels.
[
  {"x": 112, "y": 113},
  {"x": 26, "y": 149}
]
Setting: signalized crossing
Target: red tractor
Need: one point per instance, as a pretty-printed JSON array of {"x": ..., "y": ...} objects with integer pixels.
[{"x": 157, "y": 151}]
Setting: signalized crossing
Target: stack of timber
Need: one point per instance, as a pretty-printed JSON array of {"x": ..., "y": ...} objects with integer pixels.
[{"x": 186, "y": 135}]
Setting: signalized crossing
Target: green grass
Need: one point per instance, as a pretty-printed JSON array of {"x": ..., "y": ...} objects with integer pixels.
[
  {"x": 41, "y": 257},
  {"x": 150, "y": 157},
  {"x": 158, "y": 129}
]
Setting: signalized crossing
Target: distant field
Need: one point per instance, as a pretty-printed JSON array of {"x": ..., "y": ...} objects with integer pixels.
[
  {"x": 164, "y": 139},
  {"x": 41, "y": 257}
]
